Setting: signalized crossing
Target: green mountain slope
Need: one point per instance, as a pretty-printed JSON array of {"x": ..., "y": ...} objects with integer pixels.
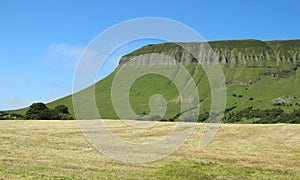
[{"x": 260, "y": 74}]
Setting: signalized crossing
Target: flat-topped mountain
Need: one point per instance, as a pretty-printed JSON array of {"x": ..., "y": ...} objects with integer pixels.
[
  {"x": 234, "y": 52},
  {"x": 259, "y": 75}
]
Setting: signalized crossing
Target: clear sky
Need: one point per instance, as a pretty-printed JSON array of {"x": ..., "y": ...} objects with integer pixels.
[{"x": 41, "y": 41}]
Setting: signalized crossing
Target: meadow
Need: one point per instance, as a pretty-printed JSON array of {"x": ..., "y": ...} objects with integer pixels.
[{"x": 58, "y": 150}]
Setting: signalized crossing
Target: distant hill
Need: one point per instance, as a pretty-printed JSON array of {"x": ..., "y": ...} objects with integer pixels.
[{"x": 261, "y": 74}]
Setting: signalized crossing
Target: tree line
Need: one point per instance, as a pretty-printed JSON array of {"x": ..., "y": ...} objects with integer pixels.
[
  {"x": 257, "y": 116},
  {"x": 39, "y": 111},
  {"x": 248, "y": 115}
]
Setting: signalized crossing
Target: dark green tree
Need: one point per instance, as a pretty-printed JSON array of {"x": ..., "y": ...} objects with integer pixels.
[
  {"x": 42, "y": 112},
  {"x": 49, "y": 114},
  {"x": 35, "y": 109},
  {"x": 62, "y": 109}
]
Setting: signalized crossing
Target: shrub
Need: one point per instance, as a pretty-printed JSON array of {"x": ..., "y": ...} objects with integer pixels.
[
  {"x": 265, "y": 116},
  {"x": 35, "y": 109},
  {"x": 62, "y": 109},
  {"x": 190, "y": 119},
  {"x": 203, "y": 117},
  {"x": 155, "y": 118},
  {"x": 65, "y": 117},
  {"x": 40, "y": 111},
  {"x": 49, "y": 114},
  {"x": 14, "y": 116}
]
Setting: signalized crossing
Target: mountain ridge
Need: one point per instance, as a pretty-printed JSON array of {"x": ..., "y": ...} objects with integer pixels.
[
  {"x": 231, "y": 51},
  {"x": 270, "y": 71}
]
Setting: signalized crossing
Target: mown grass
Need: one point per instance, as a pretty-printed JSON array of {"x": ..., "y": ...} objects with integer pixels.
[
  {"x": 58, "y": 150},
  {"x": 188, "y": 169}
]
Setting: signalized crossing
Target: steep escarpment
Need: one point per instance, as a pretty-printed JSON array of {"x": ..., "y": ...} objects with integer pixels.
[{"x": 232, "y": 52}]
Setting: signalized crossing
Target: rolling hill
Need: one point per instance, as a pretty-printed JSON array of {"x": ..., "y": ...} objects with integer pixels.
[{"x": 258, "y": 74}]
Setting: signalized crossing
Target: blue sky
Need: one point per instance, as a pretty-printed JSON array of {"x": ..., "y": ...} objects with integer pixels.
[{"x": 41, "y": 41}]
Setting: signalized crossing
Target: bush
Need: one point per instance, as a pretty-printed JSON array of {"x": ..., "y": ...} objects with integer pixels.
[
  {"x": 191, "y": 119},
  {"x": 49, "y": 114},
  {"x": 3, "y": 115},
  {"x": 62, "y": 109},
  {"x": 35, "y": 109},
  {"x": 155, "y": 118},
  {"x": 266, "y": 116},
  {"x": 171, "y": 119},
  {"x": 203, "y": 117},
  {"x": 40, "y": 111},
  {"x": 14, "y": 116}
]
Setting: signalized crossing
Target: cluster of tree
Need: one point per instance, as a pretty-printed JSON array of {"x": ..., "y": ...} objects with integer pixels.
[
  {"x": 257, "y": 116},
  {"x": 266, "y": 116},
  {"x": 10, "y": 116},
  {"x": 249, "y": 114},
  {"x": 39, "y": 111}
]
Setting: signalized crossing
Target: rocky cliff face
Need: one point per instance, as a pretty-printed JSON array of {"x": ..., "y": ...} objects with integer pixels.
[{"x": 232, "y": 52}]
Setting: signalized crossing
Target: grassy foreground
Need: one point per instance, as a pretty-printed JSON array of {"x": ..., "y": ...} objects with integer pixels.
[{"x": 58, "y": 150}]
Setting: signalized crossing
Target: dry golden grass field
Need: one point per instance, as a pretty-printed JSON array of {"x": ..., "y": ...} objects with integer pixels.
[{"x": 58, "y": 150}]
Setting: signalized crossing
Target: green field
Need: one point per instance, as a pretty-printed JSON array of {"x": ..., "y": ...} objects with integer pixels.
[{"x": 58, "y": 150}]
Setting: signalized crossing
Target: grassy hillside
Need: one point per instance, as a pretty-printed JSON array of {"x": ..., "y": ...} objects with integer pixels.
[
  {"x": 257, "y": 74},
  {"x": 58, "y": 150}
]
